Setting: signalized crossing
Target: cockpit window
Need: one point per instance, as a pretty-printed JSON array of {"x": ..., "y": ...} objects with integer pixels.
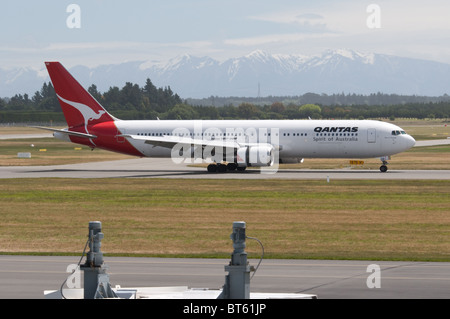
[{"x": 395, "y": 133}]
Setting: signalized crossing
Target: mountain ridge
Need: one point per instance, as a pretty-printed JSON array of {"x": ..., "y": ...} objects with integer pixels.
[{"x": 258, "y": 73}]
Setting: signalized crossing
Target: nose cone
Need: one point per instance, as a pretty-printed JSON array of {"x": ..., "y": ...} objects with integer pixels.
[{"x": 410, "y": 141}]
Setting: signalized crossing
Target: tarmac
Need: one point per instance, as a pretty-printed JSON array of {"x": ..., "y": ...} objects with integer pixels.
[
  {"x": 25, "y": 277},
  {"x": 165, "y": 168}
]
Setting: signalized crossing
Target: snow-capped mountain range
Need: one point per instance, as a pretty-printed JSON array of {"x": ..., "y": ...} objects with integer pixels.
[{"x": 258, "y": 73}]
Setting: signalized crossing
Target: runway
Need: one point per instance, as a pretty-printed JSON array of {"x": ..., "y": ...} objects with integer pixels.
[
  {"x": 165, "y": 168},
  {"x": 28, "y": 276}
]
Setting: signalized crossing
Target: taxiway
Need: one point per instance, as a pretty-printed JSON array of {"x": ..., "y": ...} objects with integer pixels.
[
  {"x": 29, "y": 276},
  {"x": 165, "y": 168}
]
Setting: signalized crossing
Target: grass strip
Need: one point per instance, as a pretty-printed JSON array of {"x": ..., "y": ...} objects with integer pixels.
[{"x": 382, "y": 220}]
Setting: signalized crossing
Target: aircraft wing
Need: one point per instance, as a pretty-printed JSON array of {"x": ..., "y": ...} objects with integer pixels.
[{"x": 171, "y": 141}]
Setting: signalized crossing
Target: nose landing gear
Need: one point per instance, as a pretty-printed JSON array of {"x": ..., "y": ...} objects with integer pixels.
[{"x": 384, "y": 168}]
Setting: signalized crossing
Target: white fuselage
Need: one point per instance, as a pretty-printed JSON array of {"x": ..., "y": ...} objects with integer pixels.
[{"x": 295, "y": 139}]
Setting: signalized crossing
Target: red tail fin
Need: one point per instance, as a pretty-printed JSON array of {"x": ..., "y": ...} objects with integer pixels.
[{"x": 79, "y": 107}]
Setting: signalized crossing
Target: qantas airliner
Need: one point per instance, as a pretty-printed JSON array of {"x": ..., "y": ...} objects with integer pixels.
[{"x": 227, "y": 144}]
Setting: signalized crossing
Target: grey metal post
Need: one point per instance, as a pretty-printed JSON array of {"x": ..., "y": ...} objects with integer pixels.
[
  {"x": 96, "y": 280},
  {"x": 237, "y": 282}
]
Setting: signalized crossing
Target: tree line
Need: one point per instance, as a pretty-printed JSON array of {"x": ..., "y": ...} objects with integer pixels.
[
  {"x": 149, "y": 102},
  {"x": 335, "y": 99}
]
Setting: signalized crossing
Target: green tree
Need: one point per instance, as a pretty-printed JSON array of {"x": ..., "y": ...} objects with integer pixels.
[
  {"x": 277, "y": 107},
  {"x": 37, "y": 98},
  {"x": 95, "y": 93},
  {"x": 131, "y": 93},
  {"x": 181, "y": 112},
  {"x": 247, "y": 111},
  {"x": 310, "y": 110},
  {"x": 49, "y": 101},
  {"x": 112, "y": 98}
]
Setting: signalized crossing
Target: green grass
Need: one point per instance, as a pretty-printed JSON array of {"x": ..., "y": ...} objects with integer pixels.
[
  {"x": 390, "y": 220},
  {"x": 427, "y": 131},
  {"x": 50, "y": 151}
]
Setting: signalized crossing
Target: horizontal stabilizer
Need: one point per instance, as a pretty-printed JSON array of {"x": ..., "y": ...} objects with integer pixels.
[{"x": 65, "y": 131}]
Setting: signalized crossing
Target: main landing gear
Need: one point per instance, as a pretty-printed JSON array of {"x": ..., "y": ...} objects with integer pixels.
[{"x": 222, "y": 168}]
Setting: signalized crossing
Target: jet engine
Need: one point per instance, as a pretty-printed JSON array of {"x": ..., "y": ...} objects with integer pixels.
[{"x": 257, "y": 155}]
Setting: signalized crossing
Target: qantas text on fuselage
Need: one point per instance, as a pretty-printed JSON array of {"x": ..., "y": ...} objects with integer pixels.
[{"x": 336, "y": 129}]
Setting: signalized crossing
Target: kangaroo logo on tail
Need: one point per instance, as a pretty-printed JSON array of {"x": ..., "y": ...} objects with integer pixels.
[{"x": 88, "y": 113}]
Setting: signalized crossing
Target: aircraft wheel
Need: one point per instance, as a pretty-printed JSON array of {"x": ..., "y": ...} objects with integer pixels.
[
  {"x": 241, "y": 168},
  {"x": 231, "y": 167},
  {"x": 221, "y": 168},
  {"x": 212, "y": 168},
  {"x": 383, "y": 168}
]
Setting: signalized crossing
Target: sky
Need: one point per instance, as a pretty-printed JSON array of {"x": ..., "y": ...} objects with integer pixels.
[{"x": 95, "y": 32}]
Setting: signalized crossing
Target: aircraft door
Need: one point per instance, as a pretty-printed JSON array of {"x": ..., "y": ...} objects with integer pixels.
[
  {"x": 371, "y": 135},
  {"x": 119, "y": 139}
]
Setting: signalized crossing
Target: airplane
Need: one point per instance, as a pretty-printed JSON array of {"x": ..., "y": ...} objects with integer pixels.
[{"x": 227, "y": 145}]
